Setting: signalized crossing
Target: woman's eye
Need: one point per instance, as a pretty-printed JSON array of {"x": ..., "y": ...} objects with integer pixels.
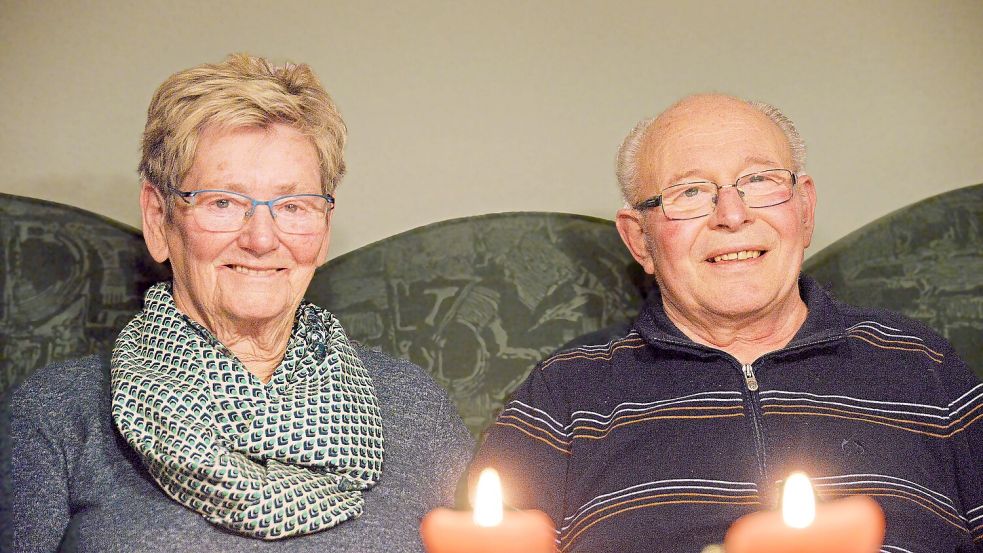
[{"x": 222, "y": 203}]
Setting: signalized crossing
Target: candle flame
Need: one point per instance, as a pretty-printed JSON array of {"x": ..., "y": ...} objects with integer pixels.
[
  {"x": 488, "y": 499},
  {"x": 798, "y": 501}
]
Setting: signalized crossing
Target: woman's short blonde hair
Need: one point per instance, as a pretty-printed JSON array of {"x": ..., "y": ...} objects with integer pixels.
[{"x": 242, "y": 91}]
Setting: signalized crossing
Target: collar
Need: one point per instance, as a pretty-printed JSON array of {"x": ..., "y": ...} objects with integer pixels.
[{"x": 823, "y": 323}]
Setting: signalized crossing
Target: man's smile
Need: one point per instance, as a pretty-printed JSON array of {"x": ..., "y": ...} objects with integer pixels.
[{"x": 736, "y": 255}]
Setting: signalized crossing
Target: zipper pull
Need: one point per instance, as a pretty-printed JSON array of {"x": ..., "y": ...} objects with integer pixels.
[{"x": 749, "y": 379}]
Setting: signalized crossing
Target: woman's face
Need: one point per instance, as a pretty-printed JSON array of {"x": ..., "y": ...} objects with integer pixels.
[{"x": 257, "y": 275}]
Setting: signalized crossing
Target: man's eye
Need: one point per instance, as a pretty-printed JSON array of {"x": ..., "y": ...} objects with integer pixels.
[
  {"x": 691, "y": 192},
  {"x": 291, "y": 208},
  {"x": 221, "y": 203}
]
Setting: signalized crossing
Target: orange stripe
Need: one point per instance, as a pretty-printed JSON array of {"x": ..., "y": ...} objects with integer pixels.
[
  {"x": 860, "y": 414},
  {"x": 932, "y": 434},
  {"x": 529, "y": 425},
  {"x": 655, "y": 496},
  {"x": 834, "y": 409},
  {"x": 533, "y": 436},
  {"x": 608, "y": 431},
  {"x": 658, "y": 410},
  {"x": 657, "y": 504},
  {"x": 900, "y": 494},
  {"x": 886, "y": 341},
  {"x": 605, "y": 355},
  {"x": 914, "y": 497},
  {"x": 892, "y": 347}
]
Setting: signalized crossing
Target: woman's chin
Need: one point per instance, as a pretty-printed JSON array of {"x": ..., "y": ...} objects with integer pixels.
[{"x": 251, "y": 310}]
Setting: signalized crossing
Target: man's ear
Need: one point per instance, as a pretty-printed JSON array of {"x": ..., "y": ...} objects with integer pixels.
[
  {"x": 154, "y": 217},
  {"x": 807, "y": 192},
  {"x": 631, "y": 228}
]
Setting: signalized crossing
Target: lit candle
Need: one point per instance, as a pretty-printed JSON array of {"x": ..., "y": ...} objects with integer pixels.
[
  {"x": 853, "y": 524},
  {"x": 489, "y": 529}
]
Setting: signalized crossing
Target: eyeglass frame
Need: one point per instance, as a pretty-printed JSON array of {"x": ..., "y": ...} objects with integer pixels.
[
  {"x": 189, "y": 196},
  {"x": 656, "y": 201}
]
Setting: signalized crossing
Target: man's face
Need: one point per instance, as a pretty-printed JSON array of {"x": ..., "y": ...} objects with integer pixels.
[
  {"x": 258, "y": 274},
  {"x": 719, "y": 140}
]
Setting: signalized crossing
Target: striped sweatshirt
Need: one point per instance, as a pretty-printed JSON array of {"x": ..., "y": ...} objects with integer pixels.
[{"x": 655, "y": 443}]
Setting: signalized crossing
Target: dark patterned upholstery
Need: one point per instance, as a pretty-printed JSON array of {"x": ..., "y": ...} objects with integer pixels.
[
  {"x": 479, "y": 301},
  {"x": 69, "y": 281},
  {"x": 476, "y": 301},
  {"x": 924, "y": 260}
]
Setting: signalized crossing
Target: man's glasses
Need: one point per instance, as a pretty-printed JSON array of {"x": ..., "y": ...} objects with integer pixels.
[
  {"x": 226, "y": 211},
  {"x": 691, "y": 200}
]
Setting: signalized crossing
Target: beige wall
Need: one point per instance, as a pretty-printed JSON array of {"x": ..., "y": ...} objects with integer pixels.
[{"x": 462, "y": 108}]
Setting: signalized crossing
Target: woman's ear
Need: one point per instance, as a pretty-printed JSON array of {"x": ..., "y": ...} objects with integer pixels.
[{"x": 154, "y": 215}]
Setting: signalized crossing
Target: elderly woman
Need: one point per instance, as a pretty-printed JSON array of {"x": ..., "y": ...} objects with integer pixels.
[{"x": 233, "y": 415}]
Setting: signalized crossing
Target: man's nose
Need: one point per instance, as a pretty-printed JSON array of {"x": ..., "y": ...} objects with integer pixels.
[
  {"x": 731, "y": 211},
  {"x": 259, "y": 233}
]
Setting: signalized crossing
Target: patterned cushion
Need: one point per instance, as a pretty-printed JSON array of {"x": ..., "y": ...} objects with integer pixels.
[
  {"x": 479, "y": 301},
  {"x": 476, "y": 301},
  {"x": 70, "y": 280},
  {"x": 924, "y": 260}
]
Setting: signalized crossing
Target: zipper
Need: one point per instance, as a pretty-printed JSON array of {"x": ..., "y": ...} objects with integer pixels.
[
  {"x": 754, "y": 415},
  {"x": 749, "y": 379}
]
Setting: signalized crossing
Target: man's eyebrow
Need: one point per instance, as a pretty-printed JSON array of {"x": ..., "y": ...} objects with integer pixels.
[
  {"x": 755, "y": 160},
  {"x": 685, "y": 176}
]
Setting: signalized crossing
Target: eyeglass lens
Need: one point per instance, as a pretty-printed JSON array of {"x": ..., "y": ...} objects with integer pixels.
[
  {"x": 222, "y": 211},
  {"x": 697, "y": 199}
]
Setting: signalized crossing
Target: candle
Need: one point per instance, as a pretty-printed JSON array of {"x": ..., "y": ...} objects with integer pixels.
[
  {"x": 489, "y": 529},
  {"x": 853, "y": 524}
]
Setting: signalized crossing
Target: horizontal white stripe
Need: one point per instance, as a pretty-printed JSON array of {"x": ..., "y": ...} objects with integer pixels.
[
  {"x": 971, "y": 390},
  {"x": 551, "y": 423},
  {"x": 855, "y": 407},
  {"x": 936, "y": 496},
  {"x": 599, "y": 347},
  {"x": 630, "y": 338},
  {"x": 621, "y": 412},
  {"x": 660, "y": 485},
  {"x": 851, "y": 398},
  {"x": 893, "y": 548},
  {"x": 867, "y": 324},
  {"x": 708, "y": 395}
]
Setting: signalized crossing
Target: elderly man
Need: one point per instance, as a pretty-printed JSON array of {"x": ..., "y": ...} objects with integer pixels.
[{"x": 738, "y": 370}]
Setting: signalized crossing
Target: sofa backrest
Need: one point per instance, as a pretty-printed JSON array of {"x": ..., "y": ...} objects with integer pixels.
[{"x": 476, "y": 301}]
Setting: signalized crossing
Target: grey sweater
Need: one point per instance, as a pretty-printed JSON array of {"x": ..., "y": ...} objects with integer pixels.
[{"x": 73, "y": 484}]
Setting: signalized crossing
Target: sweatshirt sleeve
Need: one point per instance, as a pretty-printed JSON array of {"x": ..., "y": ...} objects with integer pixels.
[
  {"x": 452, "y": 447},
  {"x": 34, "y": 511},
  {"x": 529, "y": 446},
  {"x": 966, "y": 431}
]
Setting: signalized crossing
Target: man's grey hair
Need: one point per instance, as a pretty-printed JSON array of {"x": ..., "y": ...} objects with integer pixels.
[{"x": 627, "y": 162}]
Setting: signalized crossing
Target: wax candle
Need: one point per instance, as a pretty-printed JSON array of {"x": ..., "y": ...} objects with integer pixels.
[
  {"x": 489, "y": 529},
  {"x": 853, "y": 524}
]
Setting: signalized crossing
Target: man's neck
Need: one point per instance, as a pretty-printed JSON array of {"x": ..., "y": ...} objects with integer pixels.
[{"x": 745, "y": 337}]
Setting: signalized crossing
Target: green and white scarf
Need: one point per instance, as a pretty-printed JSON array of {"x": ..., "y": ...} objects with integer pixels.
[{"x": 270, "y": 461}]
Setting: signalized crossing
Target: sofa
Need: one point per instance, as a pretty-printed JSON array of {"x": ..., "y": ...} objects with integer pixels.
[{"x": 476, "y": 301}]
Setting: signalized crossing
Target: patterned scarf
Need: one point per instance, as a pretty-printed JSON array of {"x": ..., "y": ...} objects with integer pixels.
[{"x": 269, "y": 461}]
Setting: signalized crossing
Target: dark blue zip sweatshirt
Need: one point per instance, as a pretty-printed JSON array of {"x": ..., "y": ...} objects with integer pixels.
[{"x": 653, "y": 442}]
